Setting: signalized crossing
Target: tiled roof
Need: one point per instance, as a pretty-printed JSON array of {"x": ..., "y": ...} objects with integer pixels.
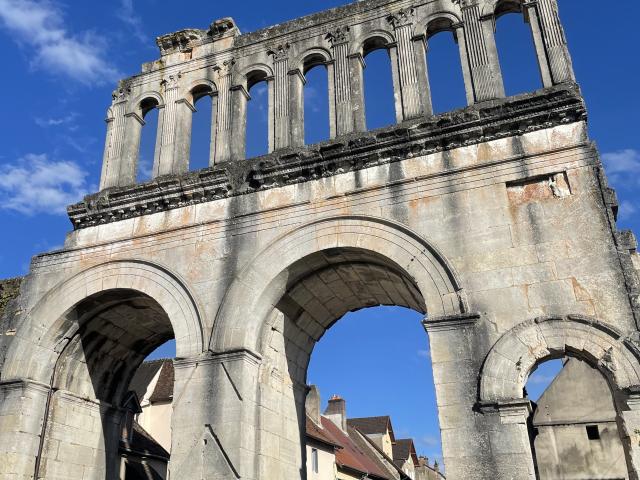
[
  {"x": 352, "y": 456},
  {"x": 164, "y": 388},
  {"x": 144, "y": 444},
  {"x": 319, "y": 434},
  {"x": 143, "y": 377},
  {"x": 403, "y": 450},
  {"x": 372, "y": 425}
]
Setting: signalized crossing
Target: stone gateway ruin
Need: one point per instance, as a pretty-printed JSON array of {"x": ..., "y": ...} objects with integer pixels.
[{"x": 495, "y": 221}]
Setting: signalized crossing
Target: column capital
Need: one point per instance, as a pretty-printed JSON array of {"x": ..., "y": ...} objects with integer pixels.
[
  {"x": 187, "y": 103},
  {"x": 172, "y": 81},
  {"x": 280, "y": 52},
  {"x": 450, "y": 322},
  {"x": 357, "y": 56},
  {"x": 297, "y": 72},
  {"x": 243, "y": 90},
  {"x": 466, "y": 3},
  {"x": 219, "y": 357},
  {"x": 225, "y": 68},
  {"x": 339, "y": 36},
  {"x": 402, "y": 18},
  {"x": 135, "y": 116},
  {"x": 512, "y": 411}
]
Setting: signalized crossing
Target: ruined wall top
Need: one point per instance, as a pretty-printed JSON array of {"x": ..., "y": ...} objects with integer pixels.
[{"x": 221, "y": 63}]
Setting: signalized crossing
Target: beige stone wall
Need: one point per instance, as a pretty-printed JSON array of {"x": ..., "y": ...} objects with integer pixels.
[
  {"x": 156, "y": 419},
  {"x": 326, "y": 463}
]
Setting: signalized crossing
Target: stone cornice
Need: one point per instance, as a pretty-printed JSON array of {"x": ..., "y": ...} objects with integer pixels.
[{"x": 476, "y": 124}]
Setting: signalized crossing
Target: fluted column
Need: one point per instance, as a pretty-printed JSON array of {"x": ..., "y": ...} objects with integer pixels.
[
  {"x": 420, "y": 48},
  {"x": 343, "y": 119},
  {"x": 356, "y": 78},
  {"x": 131, "y": 148},
  {"x": 482, "y": 53},
  {"x": 551, "y": 43},
  {"x": 214, "y": 128},
  {"x": 458, "y": 30},
  {"x": 238, "y": 138},
  {"x": 296, "y": 107},
  {"x": 164, "y": 161},
  {"x": 184, "y": 121},
  {"x": 402, "y": 22},
  {"x": 281, "y": 111},
  {"x": 116, "y": 125},
  {"x": 225, "y": 109}
]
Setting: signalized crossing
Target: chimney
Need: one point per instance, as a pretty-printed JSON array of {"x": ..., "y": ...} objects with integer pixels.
[
  {"x": 337, "y": 412},
  {"x": 423, "y": 461},
  {"x": 312, "y": 404}
]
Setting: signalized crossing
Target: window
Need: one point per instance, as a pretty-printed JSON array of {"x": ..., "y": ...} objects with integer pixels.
[
  {"x": 593, "y": 432},
  {"x": 314, "y": 460}
]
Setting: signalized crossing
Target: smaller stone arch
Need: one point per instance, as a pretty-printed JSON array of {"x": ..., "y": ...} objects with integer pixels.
[
  {"x": 253, "y": 74},
  {"x": 145, "y": 102},
  {"x": 372, "y": 40},
  {"x": 200, "y": 88},
  {"x": 436, "y": 22},
  {"x": 497, "y": 8},
  {"x": 518, "y": 352},
  {"x": 311, "y": 58}
]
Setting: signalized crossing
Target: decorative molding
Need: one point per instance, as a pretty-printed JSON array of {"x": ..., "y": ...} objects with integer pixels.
[
  {"x": 515, "y": 411},
  {"x": 339, "y": 35},
  {"x": 402, "y": 18},
  {"x": 280, "y": 52},
  {"x": 226, "y": 68},
  {"x": 450, "y": 322},
  {"x": 211, "y": 358},
  {"x": 172, "y": 81},
  {"x": 479, "y": 123}
]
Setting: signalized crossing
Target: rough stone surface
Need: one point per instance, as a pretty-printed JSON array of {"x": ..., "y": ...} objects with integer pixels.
[{"x": 495, "y": 221}]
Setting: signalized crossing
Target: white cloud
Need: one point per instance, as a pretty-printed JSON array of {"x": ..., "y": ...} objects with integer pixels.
[
  {"x": 127, "y": 15},
  {"x": 626, "y": 210},
  {"x": 68, "y": 120},
  {"x": 36, "y": 184},
  {"x": 622, "y": 162},
  {"x": 41, "y": 26},
  {"x": 424, "y": 353}
]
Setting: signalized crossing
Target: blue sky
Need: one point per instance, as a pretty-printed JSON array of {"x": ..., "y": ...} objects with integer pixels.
[{"x": 61, "y": 60}]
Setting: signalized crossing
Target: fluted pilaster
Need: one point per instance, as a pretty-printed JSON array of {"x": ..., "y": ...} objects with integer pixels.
[
  {"x": 482, "y": 54},
  {"x": 402, "y": 22}
]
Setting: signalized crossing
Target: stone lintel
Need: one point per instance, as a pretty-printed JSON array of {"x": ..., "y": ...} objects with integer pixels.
[
  {"x": 479, "y": 123},
  {"x": 450, "y": 322},
  {"x": 241, "y": 354}
]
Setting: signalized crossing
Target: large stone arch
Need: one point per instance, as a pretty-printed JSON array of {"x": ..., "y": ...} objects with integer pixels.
[
  {"x": 257, "y": 289},
  {"x": 46, "y": 321},
  {"x": 518, "y": 352}
]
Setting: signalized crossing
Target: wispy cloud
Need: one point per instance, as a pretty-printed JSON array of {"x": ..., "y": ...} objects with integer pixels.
[
  {"x": 126, "y": 14},
  {"x": 627, "y": 210},
  {"x": 424, "y": 353},
  {"x": 40, "y": 25},
  {"x": 68, "y": 121},
  {"x": 623, "y": 166},
  {"x": 35, "y": 184}
]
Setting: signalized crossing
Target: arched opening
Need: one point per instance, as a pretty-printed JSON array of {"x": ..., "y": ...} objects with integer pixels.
[
  {"x": 379, "y": 97},
  {"x": 516, "y": 49},
  {"x": 257, "y": 138},
  {"x": 316, "y": 100},
  {"x": 573, "y": 427},
  {"x": 445, "y": 70},
  {"x": 148, "y": 139},
  {"x": 321, "y": 289},
  {"x": 92, "y": 408},
  {"x": 202, "y": 127}
]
